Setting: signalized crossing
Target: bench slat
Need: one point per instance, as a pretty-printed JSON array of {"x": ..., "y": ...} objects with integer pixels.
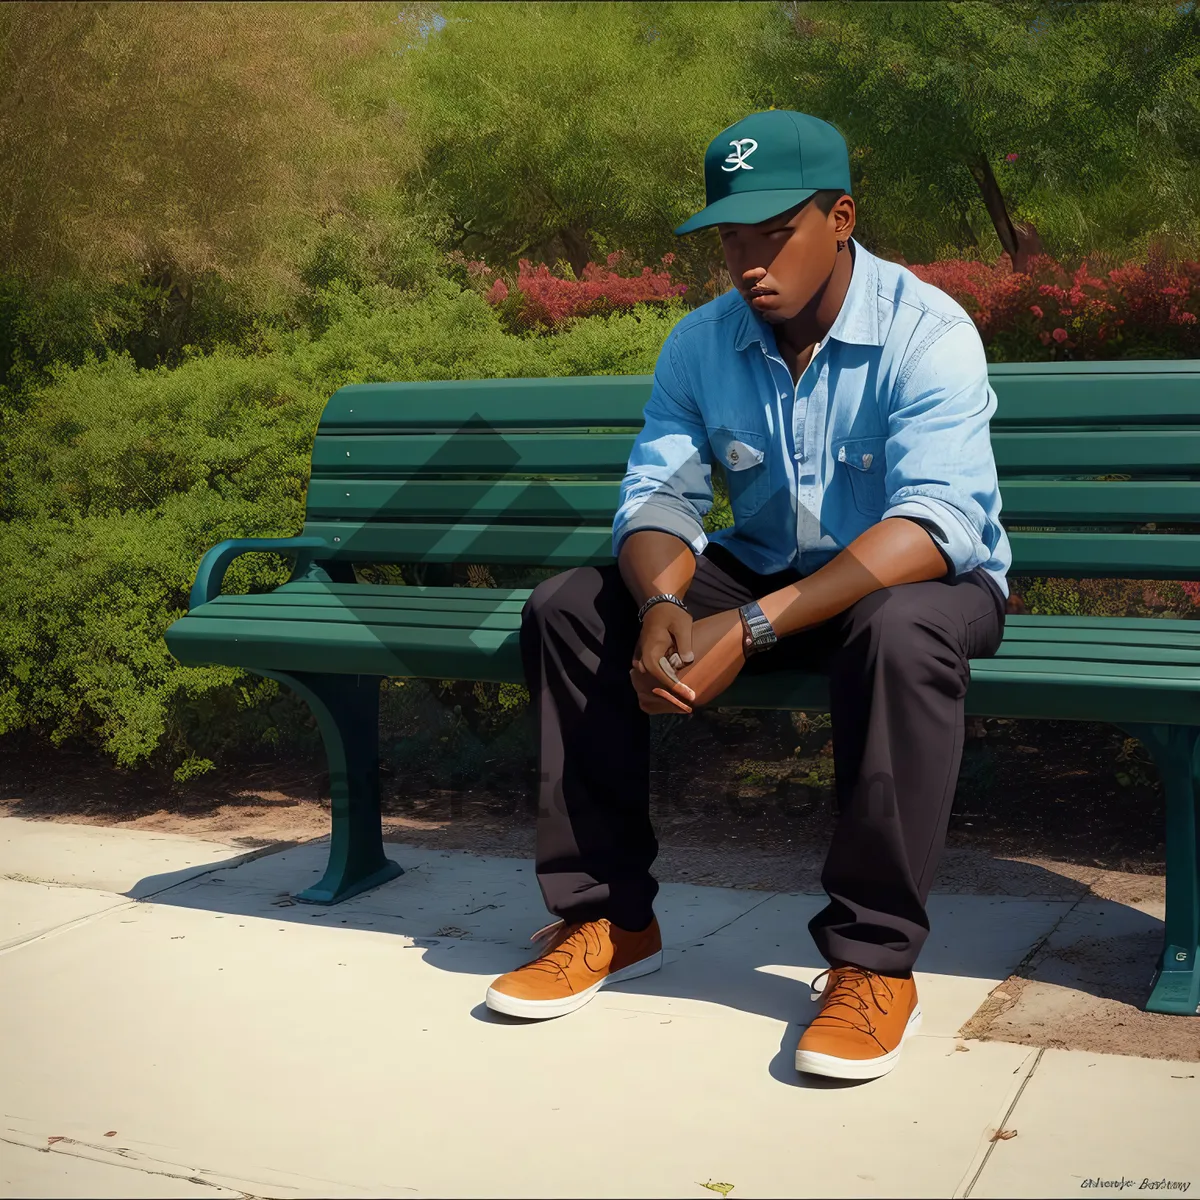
[
  {"x": 1095, "y": 452},
  {"x": 1081, "y": 452},
  {"x": 1179, "y": 651},
  {"x": 1076, "y": 501},
  {"x": 585, "y": 502},
  {"x": 429, "y": 621},
  {"x": 594, "y": 502},
  {"x": 1040, "y": 394},
  {"x": 242, "y": 631},
  {"x": 393, "y": 604},
  {"x": 561, "y": 402},
  {"x": 1116, "y": 366},
  {"x": 521, "y": 452},
  {"x": 1135, "y": 398},
  {"x": 387, "y": 597},
  {"x": 528, "y": 545},
  {"x": 1079, "y": 555},
  {"x": 1106, "y": 555}
]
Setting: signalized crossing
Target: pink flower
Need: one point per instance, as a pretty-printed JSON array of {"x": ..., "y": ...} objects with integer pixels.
[
  {"x": 1060, "y": 335},
  {"x": 497, "y": 292},
  {"x": 1010, "y": 158},
  {"x": 1037, "y": 311}
]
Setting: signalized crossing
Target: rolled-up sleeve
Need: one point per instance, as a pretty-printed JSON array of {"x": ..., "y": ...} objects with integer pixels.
[
  {"x": 668, "y": 481},
  {"x": 940, "y": 468}
]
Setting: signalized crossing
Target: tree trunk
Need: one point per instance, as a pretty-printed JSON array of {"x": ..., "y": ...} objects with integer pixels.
[
  {"x": 1019, "y": 240},
  {"x": 966, "y": 235},
  {"x": 179, "y": 317},
  {"x": 578, "y": 247}
]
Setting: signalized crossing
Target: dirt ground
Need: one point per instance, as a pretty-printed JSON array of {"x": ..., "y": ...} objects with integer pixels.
[{"x": 1052, "y": 809}]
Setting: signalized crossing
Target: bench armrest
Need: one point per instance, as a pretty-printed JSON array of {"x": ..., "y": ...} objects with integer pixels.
[{"x": 211, "y": 572}]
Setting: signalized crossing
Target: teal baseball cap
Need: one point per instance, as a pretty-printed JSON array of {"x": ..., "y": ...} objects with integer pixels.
[{"x": 767, "y": 163}]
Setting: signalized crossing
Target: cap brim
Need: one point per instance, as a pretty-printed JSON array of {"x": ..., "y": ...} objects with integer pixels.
[{"x": 746, "y": 208}]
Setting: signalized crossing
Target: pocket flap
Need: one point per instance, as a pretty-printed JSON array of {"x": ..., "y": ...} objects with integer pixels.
[
  {"x": 861, "y": 453},
  {"x": 740, "y": 449}
]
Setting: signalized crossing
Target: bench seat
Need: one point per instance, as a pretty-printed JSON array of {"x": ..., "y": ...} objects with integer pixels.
[{"x": 1081, "y": 668}]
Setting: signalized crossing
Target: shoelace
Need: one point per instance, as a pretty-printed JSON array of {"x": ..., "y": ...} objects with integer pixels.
[
  {"x": 552, "y": 939},
  {"x": 848, "y": 992},
  {"x": 545, "y": 932}
]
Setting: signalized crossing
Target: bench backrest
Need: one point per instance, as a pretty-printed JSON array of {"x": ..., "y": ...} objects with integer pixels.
[{"x": 527, "y": 471}]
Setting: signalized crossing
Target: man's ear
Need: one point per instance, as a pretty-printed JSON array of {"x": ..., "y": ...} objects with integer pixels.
[{"x": 843, "y": 214}]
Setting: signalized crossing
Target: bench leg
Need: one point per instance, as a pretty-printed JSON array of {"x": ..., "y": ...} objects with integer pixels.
[
  {"x": 1176, "y": 751},
  {"x": 347, "y": 711}
]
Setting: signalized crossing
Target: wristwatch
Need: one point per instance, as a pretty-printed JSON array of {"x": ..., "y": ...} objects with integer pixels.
[{"x": 757, "y": 634}]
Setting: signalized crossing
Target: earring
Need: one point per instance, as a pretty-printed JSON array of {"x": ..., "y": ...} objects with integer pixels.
[{"x": 841, "y": 247}]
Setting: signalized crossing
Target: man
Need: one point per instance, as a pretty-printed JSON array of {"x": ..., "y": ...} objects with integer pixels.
[{"x": 849, "y": 405}]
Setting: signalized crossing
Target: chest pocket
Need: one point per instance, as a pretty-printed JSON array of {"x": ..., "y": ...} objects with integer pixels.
[
  {"x": 861, "y": 461},
  {"x": 743, "y": 452}
]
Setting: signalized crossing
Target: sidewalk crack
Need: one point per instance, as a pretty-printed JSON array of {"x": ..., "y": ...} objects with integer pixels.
[
  {"x": 1004, "y": 1123},
  {"x": 734, "y": 920}
]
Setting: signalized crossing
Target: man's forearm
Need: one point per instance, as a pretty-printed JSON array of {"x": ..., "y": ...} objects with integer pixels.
[
  {"x": 652, "y": 562},
  {"x": 891, "y": 552}
]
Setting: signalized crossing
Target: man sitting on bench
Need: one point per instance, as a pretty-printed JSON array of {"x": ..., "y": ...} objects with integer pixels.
[{"x": 849, "y": 404}]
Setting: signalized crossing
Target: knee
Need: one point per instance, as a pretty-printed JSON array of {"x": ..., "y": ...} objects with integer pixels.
[{"x": 552, "y": 597}]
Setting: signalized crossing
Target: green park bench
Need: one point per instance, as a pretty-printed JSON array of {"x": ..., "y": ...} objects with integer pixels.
[{"x": 525, "y": 472}]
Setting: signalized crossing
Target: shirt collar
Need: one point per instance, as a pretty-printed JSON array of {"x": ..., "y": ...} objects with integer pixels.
[{"x": 857, "y": 322}]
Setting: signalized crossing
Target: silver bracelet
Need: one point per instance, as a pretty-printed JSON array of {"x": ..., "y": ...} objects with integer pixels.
[{"x": 655, "y": 599}]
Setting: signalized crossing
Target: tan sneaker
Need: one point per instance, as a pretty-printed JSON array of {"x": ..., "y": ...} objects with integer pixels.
[
  {"x": 861, "y": 1027},
  {"x": 578, "y": 958}
]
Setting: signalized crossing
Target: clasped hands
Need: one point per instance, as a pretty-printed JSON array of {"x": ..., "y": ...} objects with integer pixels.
[{"x": 704, "y": 656}]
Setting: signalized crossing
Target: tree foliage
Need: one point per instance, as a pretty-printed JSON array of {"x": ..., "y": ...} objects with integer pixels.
[
  {"x": 1083, "y": 119},
  {"x": 169, "y": 142},
  {"x": 565, "y": 130}
]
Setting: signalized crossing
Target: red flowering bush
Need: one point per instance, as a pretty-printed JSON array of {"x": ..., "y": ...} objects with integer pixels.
[
  {"x": 1060, "y": 597},
  {"x": 1137, "y": 310},
  {"x": 536, "y": 298},
  {"x": 1149, "y": 309}
]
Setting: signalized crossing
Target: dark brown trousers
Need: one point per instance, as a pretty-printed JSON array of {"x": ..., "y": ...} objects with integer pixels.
[{"x": 897, "y": 662}]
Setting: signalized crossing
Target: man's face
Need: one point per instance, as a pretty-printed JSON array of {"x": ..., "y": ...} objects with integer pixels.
[{"x": 790, "y": 256}]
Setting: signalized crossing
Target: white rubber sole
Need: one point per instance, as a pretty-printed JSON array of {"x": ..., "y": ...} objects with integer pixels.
[
  {"x": 856, "y": 1068},
  {"x": 538, "y": 1010}
]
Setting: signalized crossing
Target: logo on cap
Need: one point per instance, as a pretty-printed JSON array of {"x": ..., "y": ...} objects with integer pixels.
[{"x": 740, "y": 154}]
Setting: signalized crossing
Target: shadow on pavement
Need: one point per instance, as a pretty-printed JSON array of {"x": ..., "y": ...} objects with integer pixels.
[{"x": 743, "y": 949}]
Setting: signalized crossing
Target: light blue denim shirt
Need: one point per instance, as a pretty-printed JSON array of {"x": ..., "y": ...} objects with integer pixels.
[{"x": 889, "y": 418}]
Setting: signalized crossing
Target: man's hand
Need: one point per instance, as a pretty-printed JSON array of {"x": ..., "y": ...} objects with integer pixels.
[
  {"x": 717, "y": 645},
  {"x": 664, "y": 645}
]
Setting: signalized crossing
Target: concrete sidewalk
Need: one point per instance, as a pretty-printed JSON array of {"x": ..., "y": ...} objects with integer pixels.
[{"x": 174, "y": 1025}]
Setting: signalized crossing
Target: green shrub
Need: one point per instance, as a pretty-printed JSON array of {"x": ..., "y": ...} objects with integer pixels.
[{"x": 119, "y": 479}]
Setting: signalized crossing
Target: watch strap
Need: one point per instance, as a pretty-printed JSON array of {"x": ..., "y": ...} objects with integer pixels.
[{"x": 757, "y": 632}]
